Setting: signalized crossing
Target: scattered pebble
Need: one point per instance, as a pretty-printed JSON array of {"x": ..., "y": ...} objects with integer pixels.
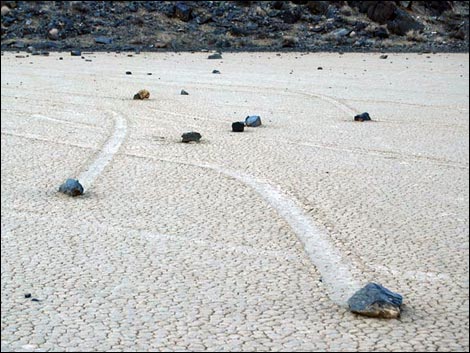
[
  {"x": 142, "y": 94},
  {"x": 253, "y": 121},
  {"x": 184, "y": 93},
  {"x": 384, "y": 56},
  {"x": 27, "y": 295},
  {"x": 215, "y": 56},
  {"x": 191, "y": 137},
  {"x": 362, "y": 117},
  {"x": 238, "y": 126},
  {"x": 71, "y": 187},
  {"x": 319, "y": 68},
  {"x": 76, "y": 53},
  {"x": 128, "y": 73},
  {"x": 215, "y": 71}
]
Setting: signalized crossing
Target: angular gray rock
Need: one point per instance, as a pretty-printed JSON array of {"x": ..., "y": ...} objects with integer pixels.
[
  {"x": 71, "y": 187},
  {"x": 253, "y": 121},
  {"x": 184, "y": 93},
  {"x": 191, "y": 137},
  {"x": 375, "y": 300}
]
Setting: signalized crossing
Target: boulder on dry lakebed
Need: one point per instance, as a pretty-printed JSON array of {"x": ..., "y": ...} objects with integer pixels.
[
  {"x": 191, "y": 137},
  {"x": 362, "y": 117},
  {"x": 377, "y": 301},
  {"x": 253, "y": 121},
  {"x": 71, "y": 187}
]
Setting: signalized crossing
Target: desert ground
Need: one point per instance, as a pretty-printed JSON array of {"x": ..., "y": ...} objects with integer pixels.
[{"x": 246, "y": 241}]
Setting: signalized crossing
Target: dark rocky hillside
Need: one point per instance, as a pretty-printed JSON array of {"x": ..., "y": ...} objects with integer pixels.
[{"x": 236, "y": 25}]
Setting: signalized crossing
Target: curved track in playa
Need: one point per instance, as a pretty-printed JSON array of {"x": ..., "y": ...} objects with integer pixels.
[{"x": 211, "y": 246}]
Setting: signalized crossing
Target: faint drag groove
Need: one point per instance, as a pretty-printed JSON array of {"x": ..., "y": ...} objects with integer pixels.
[
  {"x": 106, "y": 153},
  {"x": 336, "y": 272}
]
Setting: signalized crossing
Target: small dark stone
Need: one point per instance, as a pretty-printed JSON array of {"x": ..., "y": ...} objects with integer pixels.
[
  {"x": 375, "y": 300},
  {"x": 319, "y": 68},
  {"x": 71, "y": 187},
  {"x": 215, "y": 56},
  {"x": 27, "y": 296},
  {"x": 35, "y": 300},
  {"x": 184, "y": 93},
  {"x": 215, "y": 71},
  {"x": 128, "y": 73},
  {"x": 149, "y": 73},
  {"x": 362, "y": 117},
  {"x": 383, "y": 56},
  {"x": 238, "y": 126},
  {"x": 191, "y": 136},
  {"x": 61, "y": 58},
  {"x": 253, "y": 121},
  {"x": 76, "y": 53}
]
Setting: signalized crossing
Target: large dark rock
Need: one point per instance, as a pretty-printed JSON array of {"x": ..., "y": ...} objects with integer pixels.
[
  {"x": 183, "y": 12},
  {"x": 382, "y": 11},
  {"x": 191, "y": 137},
  {"x": 238, "y": 126},
  {"x": 375, "y": 300},
  {"x": 403, "y": 23},
  {"x": 362, "y": 117},
  {"x": 71, "y": 187}
]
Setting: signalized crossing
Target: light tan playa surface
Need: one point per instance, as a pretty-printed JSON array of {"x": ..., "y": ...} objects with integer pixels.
[{"x": 201, "y": 246}]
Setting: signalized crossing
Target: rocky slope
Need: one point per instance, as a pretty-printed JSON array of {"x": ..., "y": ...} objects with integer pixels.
[{"x": 236, "y": 25}]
